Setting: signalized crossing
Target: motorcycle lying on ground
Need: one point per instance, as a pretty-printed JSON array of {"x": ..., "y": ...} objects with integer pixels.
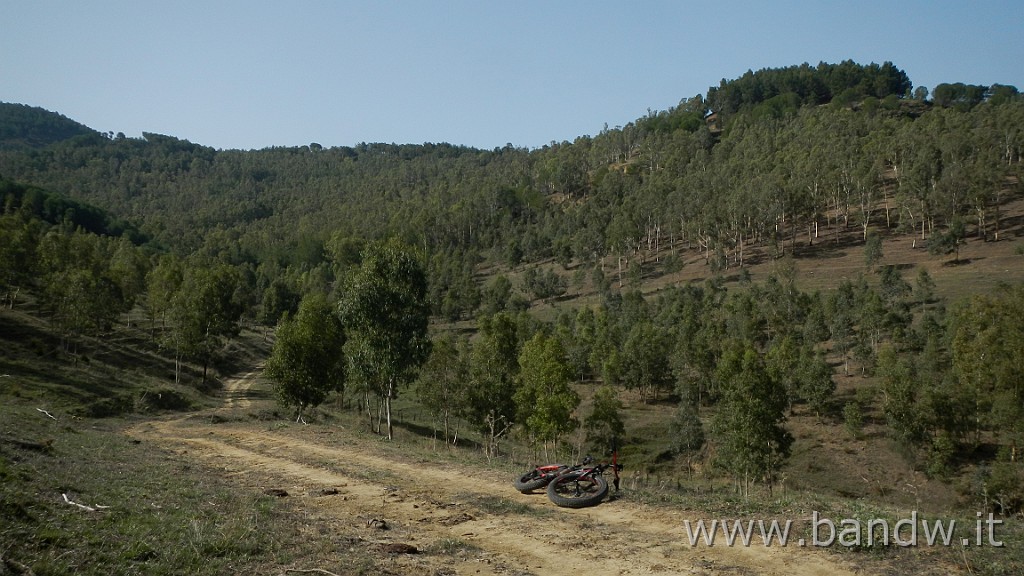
[{"x": 584, "y": 486}]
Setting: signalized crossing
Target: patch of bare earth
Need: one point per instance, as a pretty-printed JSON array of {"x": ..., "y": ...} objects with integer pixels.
[{"x": 458, "y": 520}]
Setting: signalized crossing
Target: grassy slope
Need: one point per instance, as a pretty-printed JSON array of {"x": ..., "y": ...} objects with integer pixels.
[{"x": 164, "y": 516}]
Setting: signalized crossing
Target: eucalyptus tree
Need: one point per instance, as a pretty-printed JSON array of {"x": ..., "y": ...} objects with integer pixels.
[
  {"x": 444, "y": 381},
  {"x": 385, "y": 313},
  {"x": 752, "y": 443},
  {"x": 204, "y": 311},
  {"x": 604, "y": 425},
  {"x": 545, "y": 402},
  {"x": 493, "y": 368},
  {"x": 645, "y": 361},
  {"x": 307, "y": 362},
  {"x": 986, "y": 343}
]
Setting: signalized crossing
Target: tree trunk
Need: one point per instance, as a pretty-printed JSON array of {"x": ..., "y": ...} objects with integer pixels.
[
  {"x": 387, "y": 408},
  {"x": 885, "y": 196},
  {"x": 369, "y": 413},
  {"x": 741, "y": 249},
  {"x": 996, "y": 214},
  {"x": 444, "y": 423}
]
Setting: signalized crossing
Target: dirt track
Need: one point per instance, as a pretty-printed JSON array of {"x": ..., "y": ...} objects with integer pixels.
[{"x": 467, "y": 520}]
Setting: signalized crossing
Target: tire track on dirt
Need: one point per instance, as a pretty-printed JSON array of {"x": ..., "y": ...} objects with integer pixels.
[{"x": 431, "y": 504}]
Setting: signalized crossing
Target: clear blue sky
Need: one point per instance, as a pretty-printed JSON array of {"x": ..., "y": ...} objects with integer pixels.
[{"x": 252, "y": 74}]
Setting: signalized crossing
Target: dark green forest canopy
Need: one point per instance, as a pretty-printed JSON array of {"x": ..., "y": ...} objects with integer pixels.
[
  {"x": 28, "y": 126},
  {"x": 810, "y": 85},
  {"x": 770, "y": 157},
  {"x": 55, "y": 208}
]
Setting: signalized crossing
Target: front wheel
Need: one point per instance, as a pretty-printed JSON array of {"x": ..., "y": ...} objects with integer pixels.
[
  {"x": 530, "y": 481},
  {"x": 537, "y": 478},
  {"x": 577, "y": 490}
]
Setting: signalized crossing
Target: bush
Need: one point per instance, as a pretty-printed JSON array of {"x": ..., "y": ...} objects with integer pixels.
[
  {"x": 940, "y": 457},
  {"x": 1004, "y": 488},
  {"x": 165, "y": 399},
  {"x": 853, "y": 418},
  {"x": 108, "y": 407}
]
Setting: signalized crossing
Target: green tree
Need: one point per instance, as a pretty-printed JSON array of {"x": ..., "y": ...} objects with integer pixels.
[
  {"x": 853, "y": 418},
  {"x": 19, "y": 238},
  {"x": 344, "y": 252},
  {"x": 815, "y": 376},
  {"x": 687, "y": 430},
  {"x": 924, "y": 288},
  {"x": 544, "y": 399},
  {"x": 544, "y": 284},
  {"x": 604, "y": 423},
  {"x": 163, "y": 281},
  {"x": 948, "y": 241},
  {"x": 307, "y": 362},
  {"x": 900, "y": 389},
  {"x": 752, "y": 442},
  {"x": 893, "y": 287},
  {"x": 783, "y": 362},
  {"x": 493, "y": 368},
  {"x": 644, "y": 361},
  {"x": 278, "y": 299},
  {"x": 986, "y": 343},
  {"x": 128, "y": 268},
  {"x": 385, "y": 312},
  {"x": 77, "y": 287},
  {"x": 204, "y": 312},
  {"x": 872, "y": 250},
  {"x": 443, "y": 382},
  {"x": 495, "y": 296},
  {"x": 84, "y": 303}
]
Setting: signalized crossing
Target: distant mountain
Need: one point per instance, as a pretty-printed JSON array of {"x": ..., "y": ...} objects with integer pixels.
[{"x": 23, "y": 126}]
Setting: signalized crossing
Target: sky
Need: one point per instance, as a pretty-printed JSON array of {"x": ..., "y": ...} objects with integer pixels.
[{"x": 480, "y": 73}]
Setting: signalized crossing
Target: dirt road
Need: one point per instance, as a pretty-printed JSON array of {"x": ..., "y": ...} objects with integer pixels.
[{"x": 462, "y": 520}]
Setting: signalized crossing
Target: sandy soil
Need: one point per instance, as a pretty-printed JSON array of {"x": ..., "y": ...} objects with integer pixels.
[{"x": 462, "y": 520}]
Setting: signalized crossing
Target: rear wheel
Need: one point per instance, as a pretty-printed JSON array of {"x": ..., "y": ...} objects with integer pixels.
[{"x": 576, "y": 490}]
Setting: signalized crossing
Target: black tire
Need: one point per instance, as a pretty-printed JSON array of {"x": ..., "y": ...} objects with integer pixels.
[
  {"x": 531, "y": 481},
  {"x": 575, "y": 490}
]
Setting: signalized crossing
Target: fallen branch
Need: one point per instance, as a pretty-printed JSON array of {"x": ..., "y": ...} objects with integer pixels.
[
  {"x": 310, "y": 571},
  {"x": 83, "y": 506},
  {"x": 966, "y": 563},
  {"x": 47, "y": 413}
]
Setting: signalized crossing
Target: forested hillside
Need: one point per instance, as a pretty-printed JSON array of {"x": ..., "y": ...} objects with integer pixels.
[{"x": 621, "y": 260}]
